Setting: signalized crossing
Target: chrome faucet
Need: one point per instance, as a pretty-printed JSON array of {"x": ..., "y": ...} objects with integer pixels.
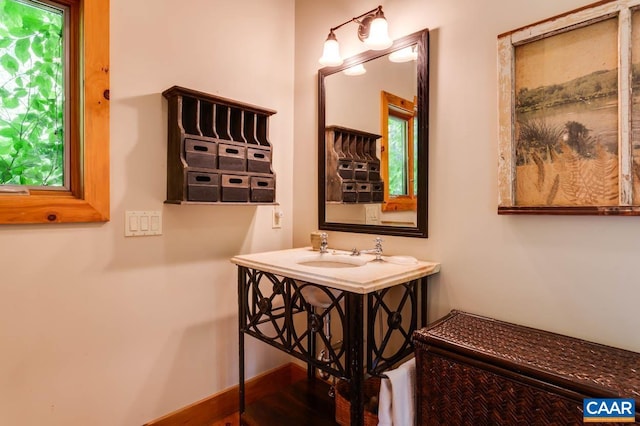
[
  {"x": 377, "y": 250},
  {"x": 324, "y": 243}
]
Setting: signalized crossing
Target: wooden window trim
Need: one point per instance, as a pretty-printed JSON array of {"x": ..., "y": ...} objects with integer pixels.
[
  {"x": 397, "y": 202},
  {"x": 88, "y": 200}
]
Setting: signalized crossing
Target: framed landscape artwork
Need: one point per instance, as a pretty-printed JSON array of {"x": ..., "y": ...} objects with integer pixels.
[{"x": 569, "y": 113}]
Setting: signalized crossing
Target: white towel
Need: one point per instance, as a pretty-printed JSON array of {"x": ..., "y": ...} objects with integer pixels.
[{"x": 397, "y": 401}]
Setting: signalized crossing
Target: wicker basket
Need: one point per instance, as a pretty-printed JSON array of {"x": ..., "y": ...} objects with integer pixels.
[
  {"x": 343, "y": 405},
  {"x": 478, "y": 370}
]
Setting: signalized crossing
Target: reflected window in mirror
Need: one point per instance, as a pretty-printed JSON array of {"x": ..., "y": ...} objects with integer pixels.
[{"x": 399, "y": 161}]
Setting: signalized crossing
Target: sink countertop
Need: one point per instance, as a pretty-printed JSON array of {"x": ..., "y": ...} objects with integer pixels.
[{"x": 372, "y": 276}]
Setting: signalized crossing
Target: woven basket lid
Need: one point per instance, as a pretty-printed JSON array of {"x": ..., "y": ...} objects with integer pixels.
[{"x": 590, "y": 368}]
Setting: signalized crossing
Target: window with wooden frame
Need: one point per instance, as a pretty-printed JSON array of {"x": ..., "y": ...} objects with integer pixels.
[
  {"x": 54, "y": 112},
  {"x": 398, "y": 153}
]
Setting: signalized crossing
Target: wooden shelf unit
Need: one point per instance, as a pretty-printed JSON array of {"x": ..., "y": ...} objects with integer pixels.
[{"x": 218, "y": 150}]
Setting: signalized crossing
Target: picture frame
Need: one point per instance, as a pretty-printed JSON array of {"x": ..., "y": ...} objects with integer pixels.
[{"x": 569, "y": 123}]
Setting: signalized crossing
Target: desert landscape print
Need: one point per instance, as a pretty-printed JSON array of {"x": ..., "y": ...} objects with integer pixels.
[{"x": 566, "y": 118}]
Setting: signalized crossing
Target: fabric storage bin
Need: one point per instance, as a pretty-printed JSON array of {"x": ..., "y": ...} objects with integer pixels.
[
  {"x": 262, "y": 189},
  {"x": 477, "y": 370},
  {"x": 235, "y": 188},
  {"x": 199, "y": 153},
  {"x": 202, "y": 186}
]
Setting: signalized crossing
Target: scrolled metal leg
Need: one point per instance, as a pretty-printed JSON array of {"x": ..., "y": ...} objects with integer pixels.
[{"x": 355, "y": 356}]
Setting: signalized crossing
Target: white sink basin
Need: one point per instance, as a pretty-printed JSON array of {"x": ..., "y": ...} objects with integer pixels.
[
  {"x": 327, "y": 260},
  {"x": 317, "y": 296}
]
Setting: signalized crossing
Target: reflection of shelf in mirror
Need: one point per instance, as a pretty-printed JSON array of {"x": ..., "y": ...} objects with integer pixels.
[{"x": 352, "y": 166}]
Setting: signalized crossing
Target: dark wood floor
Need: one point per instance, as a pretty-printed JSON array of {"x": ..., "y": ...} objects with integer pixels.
[
  {"x": 302, "y": 403},
  {"x": 232, "y": 420}
]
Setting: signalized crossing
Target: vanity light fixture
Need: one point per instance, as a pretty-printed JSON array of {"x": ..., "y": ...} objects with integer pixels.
[
  {"x": 372, "y": 31},
  {"x": 409, "y": 53},
  {"x": 357, "y": 69}
]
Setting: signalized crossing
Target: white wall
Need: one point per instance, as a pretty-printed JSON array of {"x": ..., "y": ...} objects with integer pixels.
[
  {"x": 99, "y": 329},
  {"x": 573, "y": 275},
  {"x": 354, "y": 101}
]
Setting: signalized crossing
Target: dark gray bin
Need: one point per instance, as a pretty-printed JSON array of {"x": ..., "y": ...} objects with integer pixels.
[
  {"x": 201, "y": 154},
  {"x": 259, "y": 160},
  {"x": 232, "y": 157},
  {"x": 235, "y": 188},
  {"x": 203, "y": 186},
  {"x": 377, "y": 192},
  {"x": 361, "y": 171},
  {"x": 364, "y": 192},
  {"x": 349, "y": 194},
  {"x": 345, "y": 169},
  {"x": 263, "y": 189},
  {"x": 374, "y": 170}
]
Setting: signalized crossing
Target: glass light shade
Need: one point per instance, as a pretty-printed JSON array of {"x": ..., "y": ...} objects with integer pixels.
[
  {"x": 355, "y": 70},
  {"x": 331, "y": 52},
  {"x": 378, "y": 35},
  {"x": 404, "y": 55}
]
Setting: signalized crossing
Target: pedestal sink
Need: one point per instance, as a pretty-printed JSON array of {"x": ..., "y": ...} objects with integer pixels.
[{"x": 317, "y": 296}]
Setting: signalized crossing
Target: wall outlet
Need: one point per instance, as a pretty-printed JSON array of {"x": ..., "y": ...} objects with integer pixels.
[{"x": 277, "y": 218}]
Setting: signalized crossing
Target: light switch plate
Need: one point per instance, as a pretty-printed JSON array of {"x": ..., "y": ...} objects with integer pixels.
[{"x": 142, "y": 223}]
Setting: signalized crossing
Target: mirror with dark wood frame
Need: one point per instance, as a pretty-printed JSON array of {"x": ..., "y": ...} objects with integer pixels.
[{"x": 373, "y": 146}]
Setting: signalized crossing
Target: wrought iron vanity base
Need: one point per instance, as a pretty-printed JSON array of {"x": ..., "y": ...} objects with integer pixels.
[{"x": 273, "y": 309}]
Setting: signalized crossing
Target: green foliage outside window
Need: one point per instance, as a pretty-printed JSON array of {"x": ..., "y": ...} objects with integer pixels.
[
  {"x": 31, "y": 94},
  {"x": 397, "y": 156}
]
